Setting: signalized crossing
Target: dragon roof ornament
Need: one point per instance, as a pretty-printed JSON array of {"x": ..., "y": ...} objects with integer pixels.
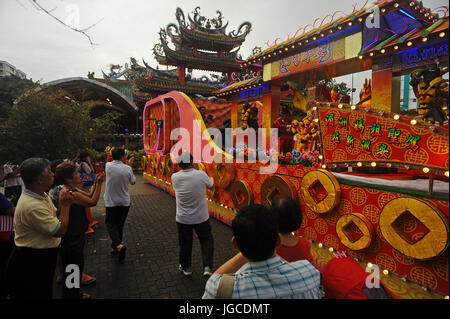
[
  {"x": 115, "y": 72},
  {"x": 247, "y": 26},
  {"x": 208, "y": 25},
  {"x": 202, "y": 22}
]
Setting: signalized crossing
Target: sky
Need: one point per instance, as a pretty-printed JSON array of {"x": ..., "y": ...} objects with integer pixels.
[{"x": 46, "y": 50}]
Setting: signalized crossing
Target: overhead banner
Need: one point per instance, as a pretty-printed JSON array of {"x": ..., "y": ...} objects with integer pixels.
[
  {"x": 357, "y": 135},
  {"x": 329, "y": 52}
]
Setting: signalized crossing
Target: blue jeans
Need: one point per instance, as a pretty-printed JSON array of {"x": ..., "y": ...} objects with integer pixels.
[{"x": 185, "y": 238}]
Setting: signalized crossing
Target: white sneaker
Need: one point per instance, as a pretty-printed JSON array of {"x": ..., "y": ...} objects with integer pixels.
[
  {"x": 186, "y": 272},
  {"x": 207, "y": 271}
]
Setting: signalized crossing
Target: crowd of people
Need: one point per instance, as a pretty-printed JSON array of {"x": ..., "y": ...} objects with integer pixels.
[
  {"x": 272, "y": 261},
  {"x": 46, "y": 228}
]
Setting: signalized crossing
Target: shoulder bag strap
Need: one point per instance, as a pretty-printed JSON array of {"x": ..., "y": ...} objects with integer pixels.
[{"x": 226, "y": 285}]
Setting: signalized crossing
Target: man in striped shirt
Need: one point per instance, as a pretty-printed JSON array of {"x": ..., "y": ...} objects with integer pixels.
[{"x": 258, "y": 272}]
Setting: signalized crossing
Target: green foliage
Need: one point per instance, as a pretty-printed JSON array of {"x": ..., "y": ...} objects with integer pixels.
[
  {"x": 50, "y": 124},
  {"x": 47, "y": 124},
  {"x": 11, "y": 87},
  {"x": 136, "y": 145},
  {"x": 96, "y": 156},
  {"x": 106, "y": 123},
  {"x": 137, "y": 157},
  {"x": 340, "y": 88}
]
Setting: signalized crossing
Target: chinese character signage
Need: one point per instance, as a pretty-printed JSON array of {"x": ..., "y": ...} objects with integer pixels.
[
  {"x": 420, "y": 56},
  {"x": 328, "y": 52},
  {"x": 356, "y": 135}
]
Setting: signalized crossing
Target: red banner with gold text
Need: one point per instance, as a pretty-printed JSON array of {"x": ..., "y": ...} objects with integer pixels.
[{"x": 354, "y": 135}]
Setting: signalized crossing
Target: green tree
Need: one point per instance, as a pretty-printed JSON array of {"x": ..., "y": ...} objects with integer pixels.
[
  {"x": 340, "y": 88},
  {"x": 105, "y": 123},
  {"x": 47, "y": 124},
  {"x": 11, "y": 87}
]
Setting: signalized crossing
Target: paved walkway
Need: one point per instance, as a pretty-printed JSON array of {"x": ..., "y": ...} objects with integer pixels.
[{"x": 151, "y": 266}]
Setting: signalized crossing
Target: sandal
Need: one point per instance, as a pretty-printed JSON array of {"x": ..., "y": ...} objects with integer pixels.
[{"x": 87, "y": 280}]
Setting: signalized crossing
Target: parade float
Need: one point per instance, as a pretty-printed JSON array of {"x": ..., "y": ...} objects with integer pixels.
[{"x": 373, "y": 183}]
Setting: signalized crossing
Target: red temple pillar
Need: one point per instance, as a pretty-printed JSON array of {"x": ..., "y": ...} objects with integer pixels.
[
  {"x": 271, "y": 110},
  {"x": 234, "y": 118}
]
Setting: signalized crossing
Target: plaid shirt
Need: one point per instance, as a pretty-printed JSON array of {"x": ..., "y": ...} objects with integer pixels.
[{"x": 271, "y": 279}]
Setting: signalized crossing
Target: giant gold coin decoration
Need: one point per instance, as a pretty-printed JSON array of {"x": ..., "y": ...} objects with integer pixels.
[
  {"x": 223, "y": 174},
  {"x": 320, "y": 191},
  {"x": 362, "y": 223},
  {"x": 435, "y": 241},
  {"x": 242, "y": 194},
  {"x": 276, "y": 186}
]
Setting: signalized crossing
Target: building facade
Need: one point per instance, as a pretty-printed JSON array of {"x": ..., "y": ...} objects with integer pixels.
[{"x": 7, "y": 69}]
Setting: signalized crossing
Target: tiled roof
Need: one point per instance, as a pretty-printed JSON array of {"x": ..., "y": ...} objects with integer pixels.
[
  {"x": 438, "y": 30},
  {"x": 243, "y": 85}
]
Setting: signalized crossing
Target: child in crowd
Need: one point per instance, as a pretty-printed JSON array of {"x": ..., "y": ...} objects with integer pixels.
[{"x": 292, "y": 247}]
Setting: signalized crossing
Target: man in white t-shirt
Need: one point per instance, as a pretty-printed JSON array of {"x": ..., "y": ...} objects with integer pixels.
[
  {"x": 119, "y": 175},
  {"x": 192, "y": 213}
]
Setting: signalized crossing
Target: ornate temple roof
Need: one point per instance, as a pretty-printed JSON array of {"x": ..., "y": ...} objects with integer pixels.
[
  {"x": 229, "y": 61},
  {"x": 198, "y": 43},
  {"x": 142, "y": 83},
  {"x": 206, "y": 34},
  {"x": 148, "y": 79},
  {"x": 190, "y": 41}
]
